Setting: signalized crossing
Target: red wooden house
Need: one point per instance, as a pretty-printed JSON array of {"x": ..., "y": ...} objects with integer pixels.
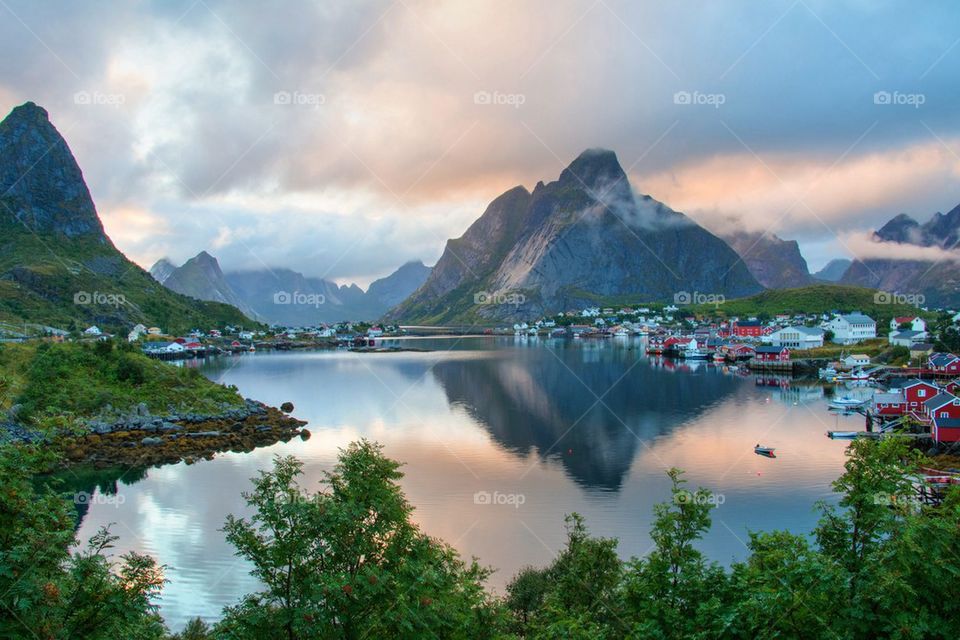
[
  {"x": 942, "y": 405},
  {"x": 952, "y": 387},
  {"x": 748, "y": 329},
  {"x": 917, "y": 392},
  {"x": 946, "y": 429},
  {"x": 892, "y": 403},
  {"x": 772, "y": 354},
  {"x": 944, "y": 363}
]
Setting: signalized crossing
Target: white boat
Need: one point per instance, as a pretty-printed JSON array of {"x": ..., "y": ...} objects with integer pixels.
[
  {"x": 695, "y": 354},
  {"x": 846, "y": 402},
  {"x": 828, "y": 373},
  {"x": 623, "y": 333}
]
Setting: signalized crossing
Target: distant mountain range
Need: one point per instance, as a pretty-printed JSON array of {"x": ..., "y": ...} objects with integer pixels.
[
  {"x": 833, "y": 271},
  {"x": 775, "y": 263},
  {"x": 57, "y": 266},
  {"x": 286, "y": 297},
  {"x": 938, "y": 281},
  {"x": 583, "y": 239}
]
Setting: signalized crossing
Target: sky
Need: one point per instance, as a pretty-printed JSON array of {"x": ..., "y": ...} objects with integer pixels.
[{"x": 342, "y": 139}]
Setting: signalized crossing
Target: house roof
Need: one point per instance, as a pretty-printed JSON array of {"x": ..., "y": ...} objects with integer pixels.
[
  {"x": 888, "y": 398},
  {"x": 915, "y": 381},
  {"x": 950, "y": 423},
  {"x": 747, "y": 323},
  {"x": 909, "y": 334},
  {"x": 770, "y": 349},
  {"x": 902, "y": 319},
  {"x": 939, "y": 400},
  {"x": 942, "y": 359},
  {"x": 810, "y": 331},
  {"x": 857, "y": 318},
  {"x": 921, "y": 346}
]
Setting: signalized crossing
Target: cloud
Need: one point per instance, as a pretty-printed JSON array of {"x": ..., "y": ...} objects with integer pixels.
[
  {"x": 392, "y": 138},
  {"x": 864, "y": 246}
]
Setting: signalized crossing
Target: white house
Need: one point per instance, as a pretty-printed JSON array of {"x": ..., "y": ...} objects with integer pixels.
[
  {"x": 852, "y": 328},
  {"x": 798, "y": 337},
  {"x": 906, "y": 338},
  {"x": 916, "y": 323},
  {"x": 856, "y": 360},
  {"x": 93, "y": 331},
  {"x": 163, "y": 347}
]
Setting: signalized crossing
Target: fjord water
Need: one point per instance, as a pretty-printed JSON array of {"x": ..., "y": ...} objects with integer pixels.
[{"x": 500, "y": 438}]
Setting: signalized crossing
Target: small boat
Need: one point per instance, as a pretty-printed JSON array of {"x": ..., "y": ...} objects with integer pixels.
[
  {"x": 842, "y": 435},
  {"x": 829, "y": 373},
  {"x": 695, "y": 354},
  {"x": 764, "y": 451},
  {"x": 846, "y": 402}
]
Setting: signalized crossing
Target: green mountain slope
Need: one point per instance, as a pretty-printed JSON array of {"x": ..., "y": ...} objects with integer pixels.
[{"x": 57, "y": 266}]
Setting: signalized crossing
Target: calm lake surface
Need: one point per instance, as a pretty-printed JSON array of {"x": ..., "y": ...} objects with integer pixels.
[{"x": 543, "y": 426}]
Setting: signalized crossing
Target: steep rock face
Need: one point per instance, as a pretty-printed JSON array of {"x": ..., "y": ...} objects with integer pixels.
[
  {"x": 397, "y": 287},
  {"x": 583, "y": 238},
  {"x": 40, "y": 175},
  {"x": 938, "y": 281},
  {"x": 162, "y": 269},
  {"x": 833, "y": 271},
  {"x": 200, "y": 277},
  {"x": 57, "y": 266},
  {"x": 774, "y": 262}
]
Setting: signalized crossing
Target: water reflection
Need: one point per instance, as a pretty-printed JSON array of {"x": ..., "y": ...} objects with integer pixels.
[{"x": 583, "y": 426}]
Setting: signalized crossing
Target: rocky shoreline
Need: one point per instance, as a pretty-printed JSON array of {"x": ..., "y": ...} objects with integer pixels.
[{"x": 140, "y": 438}]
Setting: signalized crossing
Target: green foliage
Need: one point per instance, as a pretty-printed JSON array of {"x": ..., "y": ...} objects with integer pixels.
[
  {"x": 47, "y": 592},
  {"x": 80, "y": 380},
  {"x": 347, "y": 562}
]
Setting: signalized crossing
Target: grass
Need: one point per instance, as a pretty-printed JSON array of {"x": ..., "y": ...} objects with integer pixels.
[
  {"x": 872, "y": 348},
  {"x": 81, "y": 380}
]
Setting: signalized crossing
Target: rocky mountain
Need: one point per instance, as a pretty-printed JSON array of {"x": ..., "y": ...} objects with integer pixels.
[
  {"x": 937, "y": 280},
  {"x": 775, "y": 263},
  {"x": 397, "y": 287},
  {"x": 200, "y": 277},
  {"x": 57, "y": 266},
  {"x": 287, "y": 297},
  {"x": 833, "y": 271},
  {"x": 583, "y": 239},
  {"x": 162, "y": 269}
]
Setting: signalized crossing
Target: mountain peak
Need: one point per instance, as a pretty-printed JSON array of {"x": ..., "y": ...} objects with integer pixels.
[
  {"x": 40, "y": 180},
  {"x": 594, "y": 168}
]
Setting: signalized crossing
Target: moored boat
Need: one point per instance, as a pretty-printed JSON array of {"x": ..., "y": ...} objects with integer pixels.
[
  {"x": 846, "y": 402},
  {"x": 764, "y": 451}
]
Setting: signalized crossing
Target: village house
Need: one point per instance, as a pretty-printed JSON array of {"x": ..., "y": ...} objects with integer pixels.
[
  {"x": 916, "y": 323},
  {"x": 768, "y": 353},
  {"x": 891, "y": 403},
  {"x": 856, "y": 360},
  {"x": 942, "y": 405},
  {"x": 798, "y": 337},
  {"x": 945, "y": 429},
  {"x": 93, "y": 330},
  {"x": 154, "y": 331},
  {"x": 852, "y": 328},
  {"x": 747, "y": 329},
  {"x": 163, "y": 347},
  {"x": 920, "y": 349},
  {"x": 906, "y": 338},
  {"x": 917, "y": 392},
  {"x": 944, "y": 363}
]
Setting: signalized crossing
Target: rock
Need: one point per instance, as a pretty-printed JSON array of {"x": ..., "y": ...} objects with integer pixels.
[
  {"x": 203, "y": 434},
  {"x": 151, "y": 441},
  {"x": 142, "y": 409},
  {"x": 264, "y": 427},
  {"x": 169, "y": 426},
  {"x": 286, "y": 407}
]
